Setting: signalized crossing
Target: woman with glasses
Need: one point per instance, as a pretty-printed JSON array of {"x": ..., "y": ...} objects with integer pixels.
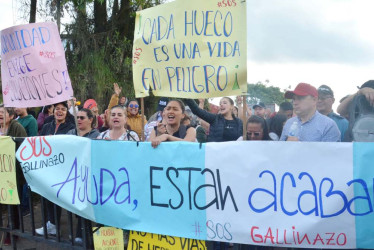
[
  {"x": 92, "y": 105},
  {"x": 86, "y": 127},
  {"x": 118, "y": 129},
  {"x": 134, "y": 119},
  {"x": 257, "y": 129},
  {"x": 60, "y": 125},
  {"x": 86, "y": 122}
]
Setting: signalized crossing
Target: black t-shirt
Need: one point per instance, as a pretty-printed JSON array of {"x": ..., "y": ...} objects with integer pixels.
[
  {"x": 181, "y": 133},
  {"x": 230, "y": 130}
]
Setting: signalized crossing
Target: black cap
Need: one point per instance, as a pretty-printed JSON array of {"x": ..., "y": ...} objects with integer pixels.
[
  {"x": 63, "y": 103},
  {"x": 260, "y": 104},
  {"x": 286, "y": 106},
  {"x": 368, "y": 84},
  {"x": 325, "y": 90},
  {"x": 162, "y": 103}
]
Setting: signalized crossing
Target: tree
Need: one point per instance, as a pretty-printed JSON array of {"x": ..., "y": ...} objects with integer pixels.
[
  {"x": 99, "y": 48},
  {"x": 267, "y": 94},
  {"x": 98, "y": 43},
  {"x": 32, "y": 11}
]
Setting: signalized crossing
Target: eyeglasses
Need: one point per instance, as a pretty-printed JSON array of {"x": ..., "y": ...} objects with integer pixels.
[
  {"x": 253, "y": 133},
  {"x": 81, "y": 117},
  {"x": 134, "y": 106}
]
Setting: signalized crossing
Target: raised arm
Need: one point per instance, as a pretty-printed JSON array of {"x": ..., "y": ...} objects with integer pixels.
[
  {"x": 201, "y": 113},
  {"x": 115, "y": 97},
  {"x": 343, "y": 108}
]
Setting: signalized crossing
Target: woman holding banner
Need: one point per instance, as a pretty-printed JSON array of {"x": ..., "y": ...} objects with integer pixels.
[
  {"x": 14, "y": 129},
  {"x": 171, "y": 129},
  {"x": 223, "y": 126},
  {"x": 59, "y": 126},
  {"x": 118, "y": 127},
  {"x": 86, "y": 122}
]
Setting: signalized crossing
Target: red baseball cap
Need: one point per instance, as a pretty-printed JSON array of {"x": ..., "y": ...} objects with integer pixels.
[
  {"x": 89, "y": 104},
  {"x": 302, "y": 89}
]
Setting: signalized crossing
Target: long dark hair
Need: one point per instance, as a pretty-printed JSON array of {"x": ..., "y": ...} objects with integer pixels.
[
  {"x": 46, "y": 108},
  {"x": 10, "y": 111},
  {"x": 90, "y": 115},
  {"x": 259, "y": 120},
  {"x": 276, "y": 124},
  {"x": 69, "y": 117},
  {"x": 181, "y": 104}
]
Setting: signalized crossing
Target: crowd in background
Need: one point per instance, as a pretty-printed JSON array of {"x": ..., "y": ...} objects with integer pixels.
[{"x": 308, "y": 116}]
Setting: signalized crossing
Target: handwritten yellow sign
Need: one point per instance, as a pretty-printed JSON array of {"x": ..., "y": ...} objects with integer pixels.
[
  {"x": 108, "y": 238},
  {"x": 140, "y": 240},
  {"x": 8, "y": 181},
  {"x": 191, "y": 49}
]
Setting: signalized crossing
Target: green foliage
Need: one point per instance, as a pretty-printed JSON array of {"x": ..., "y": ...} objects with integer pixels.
[
  {"x": 98, "y": 59},
  {"x": 267, "y": 94}
]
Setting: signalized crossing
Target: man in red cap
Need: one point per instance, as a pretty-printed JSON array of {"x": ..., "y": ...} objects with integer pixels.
[{"x": 308, "y": 124}]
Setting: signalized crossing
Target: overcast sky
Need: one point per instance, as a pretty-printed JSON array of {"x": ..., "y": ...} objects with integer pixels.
[
  {"x": 315, "y": 41},
  {"x": 290, "y": 41}
]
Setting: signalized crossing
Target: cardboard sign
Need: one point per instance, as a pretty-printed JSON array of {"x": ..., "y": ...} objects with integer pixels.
[
  {"x": 33, "y": 66},
  {"x": 313, "y": 195},
  {"x": 108, "y": 238},
  {"x": 8, "y": 181},
  {"x": 191, "y": 49},
  {"x": 140, "y": 240}
]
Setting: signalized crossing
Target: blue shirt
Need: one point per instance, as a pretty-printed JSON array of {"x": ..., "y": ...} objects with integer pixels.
[
  {"x": 318, "y": 128},
  {"x": 341, "y": 122}
]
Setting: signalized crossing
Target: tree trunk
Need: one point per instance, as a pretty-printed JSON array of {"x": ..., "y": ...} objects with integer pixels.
[
  {"x": 100, "y": 16},
  {"x": 58, "y": 15},
  {"x": 123, "y": 24},
  {"x": 115, "y": 10},
  {"x": 32, "y": 11}
]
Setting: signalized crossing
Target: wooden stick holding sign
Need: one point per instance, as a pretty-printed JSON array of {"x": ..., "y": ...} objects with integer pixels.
[
  {"x": 142, "y": 104},
  {"x": 72, "y": 102},
  {"x": 244, "y": 117},
  {"x": 4, "y": 118}
]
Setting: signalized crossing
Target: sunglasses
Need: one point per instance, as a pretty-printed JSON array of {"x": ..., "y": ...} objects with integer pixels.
[
  {"x": 81, "y": 117},
  {"x": 322, "y": 98},
  {"x": 134, "y": 106},
  {"x": 254, "y": 133}
]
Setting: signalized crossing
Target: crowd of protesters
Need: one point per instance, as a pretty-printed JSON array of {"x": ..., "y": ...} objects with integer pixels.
[{"x": 308, "y": 116}]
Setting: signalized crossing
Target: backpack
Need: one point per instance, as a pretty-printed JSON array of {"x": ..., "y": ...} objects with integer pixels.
[{"x": 361, "y": 121}]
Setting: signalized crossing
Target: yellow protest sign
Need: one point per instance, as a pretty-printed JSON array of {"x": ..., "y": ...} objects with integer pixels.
[
  {"x": 191, "y": 49},
  {"x": 8, "y": 181},
  {"x": 140, "y": 240},
  {"x": 108, "y": 238}
]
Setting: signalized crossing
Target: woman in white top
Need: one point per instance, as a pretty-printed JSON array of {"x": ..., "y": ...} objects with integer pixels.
[{"x": 118, "y": 128}]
